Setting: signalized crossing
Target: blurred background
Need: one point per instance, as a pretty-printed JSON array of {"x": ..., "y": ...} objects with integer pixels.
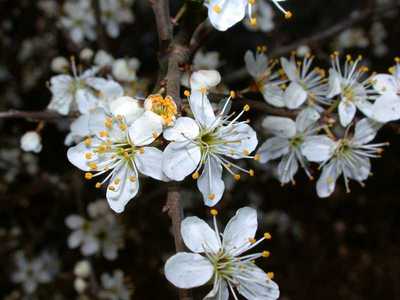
[{"x": 343, "y": 247}]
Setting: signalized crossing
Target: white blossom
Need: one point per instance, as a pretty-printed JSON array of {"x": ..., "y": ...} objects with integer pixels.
[
  {"x": 217, "y": 258},
  {"x": 103, "y": 59},
  {"x": 114, "y": 287},
  {"x": 125, "y": 69},
  {"x": 264, "y": 14},
  {"x": 113, "y": 13},
  {"x": 31, "y": 141},
  {"x": 349, "y": 156},
  {"x": 207, "y": 141},
  {"x": 59, "y": 64},
  {"x": 82, "y": 269}
]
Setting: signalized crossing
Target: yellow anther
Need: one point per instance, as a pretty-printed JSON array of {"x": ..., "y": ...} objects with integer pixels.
[
  {"x": 257, "y": 157},
  {"x": 397, "y": 60},
  {"x": 88, "y": 155},
  {"x": 232, "y": 94},
  {"x": 216, "y": 8},
  {"x": 246, "y": 107},
  {"x": 251, "y": 172},
  {"x": 267, "y": 236},
  {"x": 265, "y": 254},
  {"x": 246, "y": 152},
  {"x": 211, "y": 196},
  {"x": 251, "y": 2},
  {"x": 108, "y": 122},
  {"x": 88, "y": 175},
  {"x": 252, "y": 240},
  {"x": 237, "y": 177},
  {"x": 288, "y": 14},
  {"x": 87, "y": 142},
  {"x": 92, "y": 165},
  {"x": 270, "y": 275},
  {"x": 253, "y": 21},
  {"x": 195, "y": 175},
  {"x": 155, "y": 134},
  {"x": 117, "y": 181},
  {"x": 348, "y": 57},
  {"x": 214, "y": 212},
  {"x": 141, "y": 150},
  {"x": 132, "y": 178},
  {"x": 203, "y": 90},
  {"x": 120, "y": 117},
  {"x": 186, "y": 93},
  {"x": 97, "y": 185},
  {"x": 123, "y": 126},
  {"x": 103, "y": 133},
  {"x": 111, "y": 188}
]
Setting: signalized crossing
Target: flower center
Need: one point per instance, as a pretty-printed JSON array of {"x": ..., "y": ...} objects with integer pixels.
[
  {"x": 164, "y": 107},
  {"x": 222, "y": 263}
]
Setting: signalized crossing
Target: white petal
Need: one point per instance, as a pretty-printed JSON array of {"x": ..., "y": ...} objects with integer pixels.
[
  {"x": 145, "y": 129},
  {"x": 74, "y": 221},
  {"x": 210, "y": 182},
  {"x": 183, "y": 129},
  {"x": 318, "y": 148},
  {"x": 386, "y": 108},
  {"x": 384, "y": 83},
  {"x": 219, "y": 292},
  {"x": 180, "y": 160},
  {"x": 294, "y": 95},
  {"x": 240, "y": 229},
  {"x": 290, "y": 68},
  {"x": 198, "y": 235},
  {"x": 334, "y": 83},
  {"x": 255, "y": 64},
  {"x": 347, "y": 111},
  {"x": 274, "y": 95},
  {"x": 75, "y": 239},
  {"x": 202, "y": 108},
  {"x": 90, "y": 246},
  {"x": 188, "y": 270},
  {"x": 280, "y": 126},
  {"x": 85, "y": 100},
  {"x": 204, "y": 79},
  {"x": 127, "y": 107},
  {"x": 359, "y": 169},
  {"x": 149, "y": 163},
  {"x": 231, "y": 12},
  {"x": 306, "y": 118},
  {"x": 273, "y": 148},
  {"x": 125, "y": 190},
  {"x": 365, "y": 131},
  {"x": 327, "y": 181},
  {"x": 287, "y": 168}
]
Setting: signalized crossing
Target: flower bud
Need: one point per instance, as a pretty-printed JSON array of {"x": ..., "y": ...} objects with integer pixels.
[
  {"x": 86, "y": 54},
  {"x": 59, "y": 64},
  {"x": 102, "y": 59},
  {"x": 80, "y": 285},
  {"x": 82, "y": 269},
  {"x": 31, "y": 141}
]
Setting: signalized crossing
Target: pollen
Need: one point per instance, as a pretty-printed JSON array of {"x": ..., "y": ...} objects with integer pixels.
[
  {"x": 265, "y": 254},
  {"x": 211, "y": 196},
  {"x": 117, "y": 181},
  {"x": 103, "y": 133},
  {"x": 203, "y": 90},
  {"x": 252, "y": 240},
  {"x": 155, "y": 134},
  {"x": 232, "y": 94},
  {"x": 251, "y": 2},
  {"x": 253, "y": 21},
  {"x": 257, "y": 157},
  {"x": 216, "y": 8},
  {"x": 108, "y": 122},
  {"x": 195, "y": 175},
  {"x": 164, "y": 107},
  {"x": 267, "y": 236},
  {"x": 186, "y": 93},
  {"x": 397, "y": 60},
  {"x": 246, "y": 152},
  {"x": 141, "y": 150},
  {"x": 111, "y": 188},
  {"x": 251, "y": 172},
  {"x": 132, "y": 178},
  {"x": 88, "y": 155},
  {"x": 97, "y": 185},
  {"x": 92, "y": 165},
  {"x": 237, "y": 177},
  {"x": 87, "y": 142},
  {"x": 88, "y": 175},
  {"x": 288, "y": 14},
  {"x": 123, "y": 126},
  {"x": 246, "y": 107},
  {"x": 270, "y": 275},
  {"x": 214, "y": 212}
]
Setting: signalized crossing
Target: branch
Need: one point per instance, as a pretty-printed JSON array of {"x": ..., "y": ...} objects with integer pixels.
[
  {"x": 354, "y": 18},
  {"x": 101, "y": 35},
  {"x": 174, "y": 210},
  {"x": 45, "y": 115}
]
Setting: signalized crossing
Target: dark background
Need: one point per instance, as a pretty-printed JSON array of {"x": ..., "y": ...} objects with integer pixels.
[{"x": 343, "y": 247}]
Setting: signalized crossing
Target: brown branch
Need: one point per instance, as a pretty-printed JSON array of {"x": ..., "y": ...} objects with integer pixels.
[
  {"x": 354, "y": 18},
  {"x": 175, "y": 212},
  {"x": 100, "y": 31},
  {"x": 45, "y": 115}
]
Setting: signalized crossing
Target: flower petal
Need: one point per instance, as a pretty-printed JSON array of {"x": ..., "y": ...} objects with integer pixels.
[
  {"x": 210, "y": 182},
  {"x": 365, "y": 131},
  {"x": 223, "y": 14},
  {"x": 334, "y": 83},
  {"x": 280, "y": 126},
  {"x": 306, "y": 118},
  {"x": 183, "y": 129},
  {"x": 327, "y": 181},
  {"x": 204, "y": 79},
  {"x": 290, "y": 68},
  {"x": 149, "y": 163},
  {"x": 384, "y": 83},
  {"x": 273, "y": 148},
  {"x": 347, "y": 111},
  {"x": 219, "y": 292},
  {"x": 240, "y": 229},
  {"x": 287, "y": 168},
  {"x": 318, "y": 148},
  {"x": 180, "y": 159},
  {"x": 145, "y": 129},
  {"x": 273, "y": 94},
  {"x": 386, "y": 108},
  {"x": 294, "y": 95},
  {"x": 202, "y": 108},
  {"x": 198, "y": 235},
  {"x": 123, "y": 186},
  {"x": 188, "y": 270}
]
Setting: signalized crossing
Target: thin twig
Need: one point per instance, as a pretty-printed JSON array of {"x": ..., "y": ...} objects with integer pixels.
[
  {"x": 101, "y": 34},
  {"x": 46, "y": 115}
]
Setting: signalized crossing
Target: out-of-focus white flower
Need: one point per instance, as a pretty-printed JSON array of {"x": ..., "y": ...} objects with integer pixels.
[
  {"x": 86, "y": 54},
  {"x": 208, "y": 140},
  {"x": 100, "y": 234},
  {"x": 80, "y": 285},
  {"x": 264, "y": 14},
  {"x": 120, "y": 148},
  {"x": 289, "y": 137},
  {"x": 378, "y": 35},
  {"x": 113, "y": 13},
  {"x": 223, "y": 14},
  {"x": 349, "y": 156},
  {"x": 217, "y": 258},
  {"x": 114, "y": 287},
  {"x": 303, "y": 51},
  {"x": 33, "y": 272},
  {"x": 103, "y": 59},
  {"x": 125, "y": 69},
  {"x": 386, "y": 108},
  {"x": 31, "y": 141},
  {"x": 353, "y": 91},
  {"x": 201, "y": 61},
  {"x": 82, "y": 268},
  {"x": 79, "y": 20},
  {"x": 353, "y": 37},
  {"x": 59, "y": 64}
]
